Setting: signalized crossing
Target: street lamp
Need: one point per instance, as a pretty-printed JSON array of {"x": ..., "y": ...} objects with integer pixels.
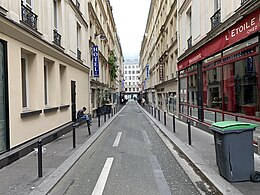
[{"x": 101, "y": 36}]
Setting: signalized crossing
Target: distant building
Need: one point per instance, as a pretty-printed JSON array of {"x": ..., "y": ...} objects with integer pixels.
[{"x": 131, "y": 78}]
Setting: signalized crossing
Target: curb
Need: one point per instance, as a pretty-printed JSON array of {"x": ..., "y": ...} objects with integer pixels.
[
  {"x": 49, "y": 183},
  {"x": 219, "y": 183}
]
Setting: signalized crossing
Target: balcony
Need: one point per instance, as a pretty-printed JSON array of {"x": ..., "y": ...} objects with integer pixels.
[
  {"x": 215, "y": 19},
  {"x": 78, "y": 54},
  {"x": 77, "y": 4},
  {"x": 56, "y": 37},
  {"x": 29, "y": 18},
  {"x": 189, "y": 42},
  {"x": 244, "y": 1}
]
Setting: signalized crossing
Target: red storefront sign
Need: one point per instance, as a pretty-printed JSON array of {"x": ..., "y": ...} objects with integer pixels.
[{"x": 237, "y": 32}]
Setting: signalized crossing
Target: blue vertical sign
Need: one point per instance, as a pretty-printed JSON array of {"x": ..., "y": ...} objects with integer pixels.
[
  {"x": 147, "y": 71},
  {"x": 95, "y": 61}
]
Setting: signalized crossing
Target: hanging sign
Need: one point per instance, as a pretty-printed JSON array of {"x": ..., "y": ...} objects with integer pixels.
[{"x": 95, "y": 61}]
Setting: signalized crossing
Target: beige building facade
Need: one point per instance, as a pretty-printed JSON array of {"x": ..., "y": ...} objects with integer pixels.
[
  {"x": 103, "y": 35},
  {"x": 46, "y": 65},
  {"x": 158, "y": 56}
]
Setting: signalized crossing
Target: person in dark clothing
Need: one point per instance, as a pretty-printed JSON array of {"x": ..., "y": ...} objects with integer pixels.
[{"x": 82, "y": 116}]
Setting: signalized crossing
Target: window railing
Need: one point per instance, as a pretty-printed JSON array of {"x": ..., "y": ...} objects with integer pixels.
[
  {"x": 78, "y": 54},
  {"x": 56, "y": 37},
  {"x": 215, "y": 19},
  {"x": 29, "y": 18},
  {"x": 77, "y": 4},
  {"x": 244, "y": 1},
  {"x": 189, "y": 42}
]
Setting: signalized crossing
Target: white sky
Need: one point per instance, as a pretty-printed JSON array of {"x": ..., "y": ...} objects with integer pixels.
[{"x": 130, "y": 18}]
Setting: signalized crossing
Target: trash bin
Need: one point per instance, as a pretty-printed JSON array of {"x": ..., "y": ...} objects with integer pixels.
[{"x": 234, "y": 149}]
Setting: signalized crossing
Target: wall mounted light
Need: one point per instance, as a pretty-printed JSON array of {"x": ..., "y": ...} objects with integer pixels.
[{"x": 101, "y": 36}]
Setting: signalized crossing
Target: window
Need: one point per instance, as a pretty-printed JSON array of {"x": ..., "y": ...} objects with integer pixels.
[
  {"x": 133, "y": 77},
  {"x": 28, "y": 3},
  {"x": 134, "y": 89},
  {"x": 129, "y": 77},
  {"x": 78, "y": 41},
  {"x": 129, "y": 72},
  {"x": 216, "y": 5},
  {"x": 55, "y": 14},
  {"x": 125, "y": 72},
  {"x": 133, "y": 72},
  {"x": 24, "y": 69},
  {"x": 63, "y": 87},
  {"x": 49, "y": 82}
]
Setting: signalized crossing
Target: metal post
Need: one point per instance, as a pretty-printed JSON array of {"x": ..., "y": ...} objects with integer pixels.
[
  {"x": 159, "y": 115},
  {"x": 155, "y": 112},
  {"x": 98, "y": 120},
  {"x": 173, "y": 123},
  {"x": 88, "y": 128},
  {"x": 189, "y": 132},
  {"x": 236, "y": 118},
  {"x": 165, "y": 118},
  {"x": 105, "y": 117},
  {"x": 215, "y": 117},
  {"x": 109, "y": 115},
  {"x": 40, "y": 158},
  {"x": 152, "y": 111},
  {"x": 74, "y": 136}
]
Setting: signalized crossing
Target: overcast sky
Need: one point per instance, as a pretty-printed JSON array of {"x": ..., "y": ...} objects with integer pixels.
[{"x": 130, "y": 18}]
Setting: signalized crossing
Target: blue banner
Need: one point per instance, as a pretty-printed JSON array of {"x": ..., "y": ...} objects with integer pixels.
[
  {"x": 147, "y": 71},
  {"x": 95, "y": 61}
]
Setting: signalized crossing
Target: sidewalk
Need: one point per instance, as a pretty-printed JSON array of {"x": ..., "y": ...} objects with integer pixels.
[
  {"x": 21, "y": 177},
  {"x": 201, "y": 153}
]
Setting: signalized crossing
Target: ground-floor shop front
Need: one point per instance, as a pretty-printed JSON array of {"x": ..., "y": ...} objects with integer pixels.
[{"x": 221, "y": 81}]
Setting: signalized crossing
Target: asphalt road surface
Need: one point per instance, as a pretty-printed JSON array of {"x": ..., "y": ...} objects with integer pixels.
[{"x": 129, "y": 158}]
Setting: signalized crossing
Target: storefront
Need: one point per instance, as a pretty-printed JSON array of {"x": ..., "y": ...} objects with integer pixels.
[
  {"x": 221, "y": 80},
  {"x": 3, "y": 99}
]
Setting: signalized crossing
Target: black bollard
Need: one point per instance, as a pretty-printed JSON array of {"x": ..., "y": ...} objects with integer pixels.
[
  {"x": 173, "y": 123},
  {"x": 189, "y": 132},
  {"x": 89, "y": 129},
  {"x": 215, "y": 116},
  {"x": 155, "y": 112},
  {"x": 105, "y": 117},
  {"x": 165, "y": 118},
  {"x": 152, "y": 111},
  {"x": 236, "y": 118},
  {"x": 98, "y": 120},
  {"x": 40, "y": 158},
  {"x": 74, "y": 136},
  {"x": 159, "y": 115},
  {"x": 109, "y": 115}
]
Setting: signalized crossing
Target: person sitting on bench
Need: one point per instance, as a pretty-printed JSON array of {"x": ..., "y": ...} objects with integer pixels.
[{"x": 82, "y": 116}]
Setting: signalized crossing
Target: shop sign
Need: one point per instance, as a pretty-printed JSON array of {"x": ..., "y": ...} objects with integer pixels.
[
  {"x": 147, "y": 71},
  {"x": 161, "y": 72},
  {"x": 95, "y": 61},
  {"x": 237, "y": 32}
]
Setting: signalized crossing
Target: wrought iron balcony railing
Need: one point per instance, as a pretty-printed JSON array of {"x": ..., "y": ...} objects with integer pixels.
[
  {"x": 77, "y": 4},
  {"x": 189, "y": 42},
  {"x": 244, "y": 1},
  {"x": 29, "y": 18},
  {"x": 215, "y": 19},
  {"x": 78, "y": 54},
  {"x": 56, "y": 37}
]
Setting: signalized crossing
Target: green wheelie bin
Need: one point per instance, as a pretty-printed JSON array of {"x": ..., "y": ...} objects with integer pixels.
[{"x": 234, "y": 150}]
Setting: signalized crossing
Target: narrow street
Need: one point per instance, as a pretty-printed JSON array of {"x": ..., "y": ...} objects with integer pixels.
[{"x": 128, "y": 158}]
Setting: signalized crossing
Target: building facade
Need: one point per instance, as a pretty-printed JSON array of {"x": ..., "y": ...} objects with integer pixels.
[
  {"x": 46, "y": 64},
  {"x": 219, "y": 61},
  {"x": 158, "y": 56},
  {"x": 103, "y": 37},
  {"x": 131, "y": 78},
  {"x": 216, "y": 63}
]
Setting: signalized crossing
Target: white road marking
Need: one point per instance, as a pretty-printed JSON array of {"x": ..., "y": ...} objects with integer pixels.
[
  {"x": 100, "y": 185},
  {"x": 116, "y": 142},
  {"x": 159, "y": 177},
  {"x": 146, "y": 138}
]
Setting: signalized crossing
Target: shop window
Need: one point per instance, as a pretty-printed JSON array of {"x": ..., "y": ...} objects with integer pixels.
[
  {"x": 183, "y": 90},
  {"x": 192, "y": 89},
  {"x": 212, "y": 93}
]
